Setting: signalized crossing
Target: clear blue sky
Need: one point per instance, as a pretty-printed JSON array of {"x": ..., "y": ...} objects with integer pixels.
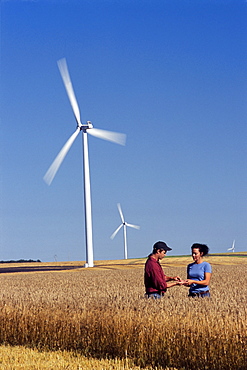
[{"x": 172, "y": 75}]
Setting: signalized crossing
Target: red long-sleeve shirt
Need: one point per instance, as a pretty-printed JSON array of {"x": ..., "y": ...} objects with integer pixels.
[{"x": 154, "y": 277}]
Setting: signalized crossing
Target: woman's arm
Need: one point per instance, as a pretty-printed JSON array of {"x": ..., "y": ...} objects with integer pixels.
[{"x": 206, "y": 281}]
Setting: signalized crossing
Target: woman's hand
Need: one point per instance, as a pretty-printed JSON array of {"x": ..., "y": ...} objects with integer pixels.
[{"x": 189, "y": 282}]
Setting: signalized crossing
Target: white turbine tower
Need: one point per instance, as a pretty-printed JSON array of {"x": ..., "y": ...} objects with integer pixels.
[
  {"x": 124, "y": 224},
  {"x": 232, "y": 247},
  {"x": 86, "y": 128}
]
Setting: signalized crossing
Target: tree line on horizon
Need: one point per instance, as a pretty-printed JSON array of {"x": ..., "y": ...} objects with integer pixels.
[{"x": 19, "y": 261}]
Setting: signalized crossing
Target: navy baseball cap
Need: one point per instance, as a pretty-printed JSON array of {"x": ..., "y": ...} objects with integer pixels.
[{"x": 161, "y": 245}]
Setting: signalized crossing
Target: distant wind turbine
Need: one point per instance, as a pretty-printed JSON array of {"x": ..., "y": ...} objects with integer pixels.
[
  {"x": 124, "y": 224},
  {"x": 86, "y": 128},
  {"x": 232, "y": 247}
]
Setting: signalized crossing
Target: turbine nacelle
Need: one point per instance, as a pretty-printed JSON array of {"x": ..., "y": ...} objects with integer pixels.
[{"x": 86, "y": 126}]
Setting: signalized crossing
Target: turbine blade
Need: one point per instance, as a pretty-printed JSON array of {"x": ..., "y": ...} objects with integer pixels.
[
  {"x": 120, "y": 212},
  {"x": 62, "y": 65},
  {"x": 116, "y": 231},
  {"x": 50, "y": 174},
  {"x": 115, "y": 137},
  {"x": 134, "y": 226}
]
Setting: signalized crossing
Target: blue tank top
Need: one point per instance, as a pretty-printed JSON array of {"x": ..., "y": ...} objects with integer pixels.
[{"x": 196, "y": 271}]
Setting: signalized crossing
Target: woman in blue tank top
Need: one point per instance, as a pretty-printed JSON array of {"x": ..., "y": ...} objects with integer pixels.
[{"x": 199, "y": 272}]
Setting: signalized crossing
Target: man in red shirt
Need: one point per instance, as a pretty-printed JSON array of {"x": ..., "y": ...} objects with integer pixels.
[{"x": 156, "y": 282}]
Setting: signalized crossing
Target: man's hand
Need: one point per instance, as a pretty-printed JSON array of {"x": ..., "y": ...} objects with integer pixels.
[
  {"x": 176, "y": 278},
  {"x": 182, "y": 282}
]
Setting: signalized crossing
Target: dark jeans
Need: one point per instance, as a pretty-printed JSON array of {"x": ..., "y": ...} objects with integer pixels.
[
  {"x": 201, "y": 294},
  {"x": 155, "y": 295}
]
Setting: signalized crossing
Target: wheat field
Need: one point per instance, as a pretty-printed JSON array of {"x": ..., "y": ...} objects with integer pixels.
[{"x": 101, "y": 314}]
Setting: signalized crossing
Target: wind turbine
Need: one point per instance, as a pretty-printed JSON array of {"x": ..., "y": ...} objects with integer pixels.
[
  {"x": 232, "y": 247},
  {"x": 86, "y": 128},
  {"x": 124, "y": 224}
]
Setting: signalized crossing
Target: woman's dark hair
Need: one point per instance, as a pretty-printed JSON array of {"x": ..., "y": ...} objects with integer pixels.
[{"x": 203, "y": 248}]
